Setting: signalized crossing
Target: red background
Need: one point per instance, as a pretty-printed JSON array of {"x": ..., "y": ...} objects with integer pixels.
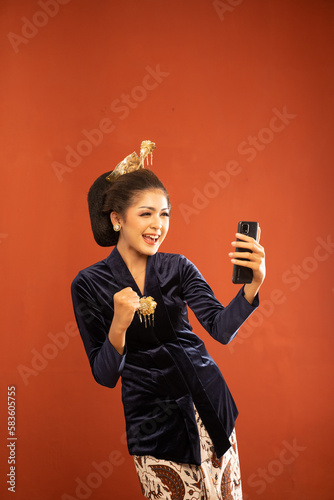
[{"x": 223, "y": 70}]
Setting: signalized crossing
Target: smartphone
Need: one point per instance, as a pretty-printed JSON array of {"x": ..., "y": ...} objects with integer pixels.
[{"x": 242, "y": 274}]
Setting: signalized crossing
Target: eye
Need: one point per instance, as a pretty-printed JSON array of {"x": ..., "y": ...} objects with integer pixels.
[
  {"x": 165, "y": 214},
  {"x": 145, "y": 214}
]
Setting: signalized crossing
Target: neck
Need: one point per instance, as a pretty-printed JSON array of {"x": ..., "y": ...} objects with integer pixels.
[{"x": 135, "y": 262}]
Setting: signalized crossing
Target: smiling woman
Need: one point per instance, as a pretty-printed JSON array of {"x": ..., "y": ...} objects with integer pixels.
[
  {"x": 146, "y": 223},
  {"x": 142, "y": 229},
  {"x": 179, "y": 412}
]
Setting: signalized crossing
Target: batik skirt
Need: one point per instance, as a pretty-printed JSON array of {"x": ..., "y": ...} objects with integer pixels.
[{"x": 213, "y": 480}]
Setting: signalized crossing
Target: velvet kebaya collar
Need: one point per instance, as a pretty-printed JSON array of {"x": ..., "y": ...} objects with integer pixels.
[{"x": 137, "y": 334}]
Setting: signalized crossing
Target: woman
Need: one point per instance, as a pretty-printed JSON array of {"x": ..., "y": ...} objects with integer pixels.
[{"x": 131, "y": 310}]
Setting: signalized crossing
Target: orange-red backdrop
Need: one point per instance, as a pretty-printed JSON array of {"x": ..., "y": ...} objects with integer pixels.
[{"x": 238, "y": 97}]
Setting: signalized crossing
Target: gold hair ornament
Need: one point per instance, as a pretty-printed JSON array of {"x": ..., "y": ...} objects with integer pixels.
[
  {"x": 133, "y": 162},
  {"x": 146, "y": 309}
]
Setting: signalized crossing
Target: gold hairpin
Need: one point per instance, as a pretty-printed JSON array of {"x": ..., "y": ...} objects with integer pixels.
[
  {"x": 133, "y": 162},
  {"x": 146, "y": 148},
  {"x": 146, "y": 309}
]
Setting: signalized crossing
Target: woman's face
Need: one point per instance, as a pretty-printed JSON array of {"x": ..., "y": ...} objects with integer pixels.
[{"x": 146, "y": 223}]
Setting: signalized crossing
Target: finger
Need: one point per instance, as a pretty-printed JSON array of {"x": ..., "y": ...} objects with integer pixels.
[
  {"x": 246, "y": 255},
  {"x": 245, "y": 263},
  {"x": 243, "y": 244},
  {"x": 255, "y": 254},
  {"x": 252, "y": 245},
  {"x": 127, "y": 299},
  {"x": 246, "y": 243},
  {"x": 244, "y": 237},
  {"x": 134, "y": 299},
  {"x": 238, "y": 260},
  {"x": 258, "y": 235}
]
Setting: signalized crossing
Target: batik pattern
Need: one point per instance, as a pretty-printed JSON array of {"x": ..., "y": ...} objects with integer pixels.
[{"x": 213, "y": 480}]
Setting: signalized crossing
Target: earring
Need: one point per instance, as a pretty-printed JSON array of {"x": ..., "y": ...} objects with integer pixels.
[{"x": 116, "y": 227}]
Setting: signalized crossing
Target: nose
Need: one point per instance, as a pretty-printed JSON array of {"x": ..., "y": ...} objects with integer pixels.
[{"x": 156, "y": 222}]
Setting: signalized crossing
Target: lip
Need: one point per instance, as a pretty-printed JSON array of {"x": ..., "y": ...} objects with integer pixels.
[{"x": 147, "y": 238}]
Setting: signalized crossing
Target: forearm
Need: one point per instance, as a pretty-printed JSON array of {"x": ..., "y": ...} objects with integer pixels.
[
  {"x": 116, "y": 337},
  {"x": 230, "y": 319},
  {"x": 104, "y": 344},
  {"x": 250, "y": 291},
  {"x": 126, "y": 302}
]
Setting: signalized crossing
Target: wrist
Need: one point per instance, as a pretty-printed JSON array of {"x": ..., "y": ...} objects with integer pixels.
[
  {"x": 117, "y": 337},
  {"x": 250, "y": 291}
]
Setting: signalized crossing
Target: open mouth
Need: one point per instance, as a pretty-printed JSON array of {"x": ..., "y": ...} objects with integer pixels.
[{"x": 151, "y": 239}]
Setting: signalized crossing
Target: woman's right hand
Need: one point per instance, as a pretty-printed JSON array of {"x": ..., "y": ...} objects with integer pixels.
[{"x": 126, "y": 303}]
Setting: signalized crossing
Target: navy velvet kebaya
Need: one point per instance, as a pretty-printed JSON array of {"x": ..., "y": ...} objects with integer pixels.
[{"x": 165, "y": 369}]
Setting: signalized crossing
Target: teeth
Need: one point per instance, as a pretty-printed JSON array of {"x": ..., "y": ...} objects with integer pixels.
[{"x": 152, "y": 237}]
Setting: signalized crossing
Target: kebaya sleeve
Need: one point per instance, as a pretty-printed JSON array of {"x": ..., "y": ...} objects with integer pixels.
[
  {"x": 221, "y": 322},
  {"x": 94, "y": 320}
]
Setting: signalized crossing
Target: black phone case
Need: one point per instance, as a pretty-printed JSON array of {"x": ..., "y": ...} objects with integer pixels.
[{"x": 241, "y": 274}]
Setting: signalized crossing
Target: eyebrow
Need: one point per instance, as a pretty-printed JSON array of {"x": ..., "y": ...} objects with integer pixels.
[{"x": 152, "y": 208}]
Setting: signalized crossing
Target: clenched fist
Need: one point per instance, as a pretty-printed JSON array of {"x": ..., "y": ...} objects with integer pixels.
[{"x": 126, "y": 303}]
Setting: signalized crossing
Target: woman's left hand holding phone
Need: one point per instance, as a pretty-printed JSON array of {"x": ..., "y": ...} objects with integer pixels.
[{"x": 256, "y": 262}]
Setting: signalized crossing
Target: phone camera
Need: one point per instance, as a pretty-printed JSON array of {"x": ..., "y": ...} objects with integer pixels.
[{"x": 245, "y": 228}]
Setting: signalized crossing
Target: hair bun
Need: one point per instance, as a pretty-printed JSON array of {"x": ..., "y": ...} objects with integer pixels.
[{"x": 103, "y": 232}]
